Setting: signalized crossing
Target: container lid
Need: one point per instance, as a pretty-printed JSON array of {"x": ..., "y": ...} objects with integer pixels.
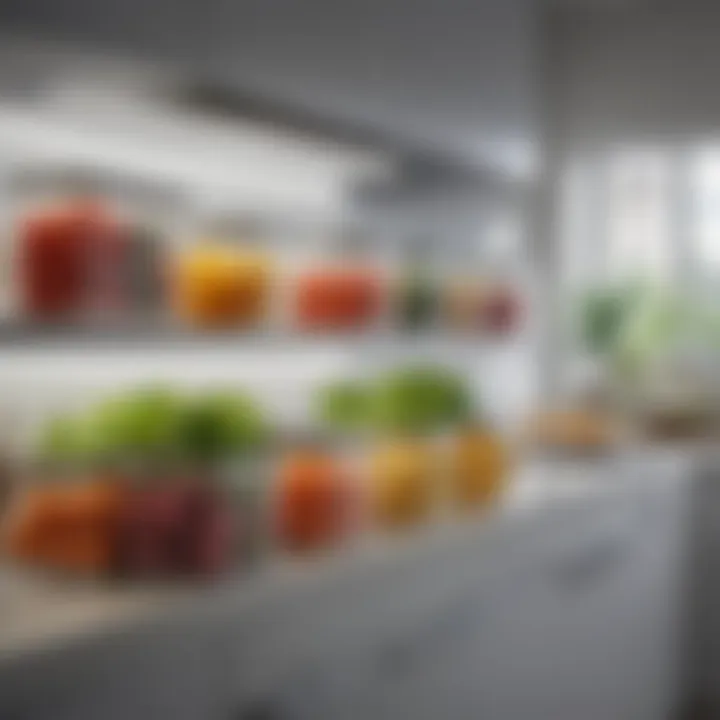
[
  {"x": 352, "y": 240},
  {"x": 147, "y": 193},
  {"x": 63, "y": 178},
  {"x": 419, "y": 249},
  {"x": 229, "y": 226}
]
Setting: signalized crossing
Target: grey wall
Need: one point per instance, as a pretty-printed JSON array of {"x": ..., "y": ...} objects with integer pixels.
[
  {"x": 454, "y": 74},
  {"x": 648, "y": 71}
]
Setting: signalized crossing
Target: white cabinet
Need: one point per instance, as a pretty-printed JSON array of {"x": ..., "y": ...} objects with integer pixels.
[
  {"x": 570, "y": 613},
  {"x": 703, "y": 650},
  {"x": 577, "y": 616},
  {"x": 615, "y": 649},
  {"x": 169, "y": 671}
]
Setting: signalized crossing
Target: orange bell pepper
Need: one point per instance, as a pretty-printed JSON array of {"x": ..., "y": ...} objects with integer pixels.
[{"x": 313, "y": 498}]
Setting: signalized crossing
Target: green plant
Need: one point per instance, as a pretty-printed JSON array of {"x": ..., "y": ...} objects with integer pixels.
[{"x": 604, "y": 312}]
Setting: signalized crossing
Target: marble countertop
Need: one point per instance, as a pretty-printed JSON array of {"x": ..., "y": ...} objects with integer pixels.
[{"x": 37, "y": 611}]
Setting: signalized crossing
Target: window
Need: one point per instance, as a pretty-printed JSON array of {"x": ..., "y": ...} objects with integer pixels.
[
  {"x": 618, "y": 216},
  {"x": 638, "y": 210},
  {"x": 647, "y": 213},
  {"x": 704, "y": 216}
]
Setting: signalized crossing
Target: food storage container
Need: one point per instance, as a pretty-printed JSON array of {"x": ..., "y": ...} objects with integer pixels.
[
  {"x": 464, "y": 303},
  {"x": 339, "y": 289},
  {"x": 417, "y": 299},
  {"x": 244, "y": 484},
  {"x": 402, "y": 475},
  {"x": 314, "y": 499},
  {"x": 68, "y": 244},
  {"x": 177, "y": 528},
  {"x": 153, "y": 218},
  {"x": 71, "y": 526},
  {"x": 477, "y": 467},
  {"x": 225, "y": 279},
  {"x": 500, "y": 307}
]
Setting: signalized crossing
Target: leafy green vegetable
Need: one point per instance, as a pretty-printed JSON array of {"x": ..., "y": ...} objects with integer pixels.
[
  {"x": 344, "y": 405},
  {"x": 419, "y": 399},
  {"x": 220, "y": 425},
  {"x": 143, "y": 424},
  {"x": 63, "y": 441},
  {"x": 156, "y": 424}
]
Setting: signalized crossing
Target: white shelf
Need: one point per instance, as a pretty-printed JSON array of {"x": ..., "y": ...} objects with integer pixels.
[{"x": 27, "y": 334}]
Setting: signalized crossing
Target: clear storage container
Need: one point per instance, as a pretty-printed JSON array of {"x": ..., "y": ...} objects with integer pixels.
[
  {"x": 68, "y": 245},
  {"x": 315, "y": 504},
  {"x": 154, "y": 219},
  {"x": 403, "y": 481},
  {"x": 417, "y": 291},
  {"x": 476, "y": 468},
  {"x": 226, "y": 278},
  {"x": 340, "y": 287}
]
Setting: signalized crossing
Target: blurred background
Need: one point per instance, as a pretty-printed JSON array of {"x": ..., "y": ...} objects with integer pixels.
[{"x": 279, "y": 278}]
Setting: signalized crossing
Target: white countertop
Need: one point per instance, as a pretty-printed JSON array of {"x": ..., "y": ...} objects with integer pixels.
[{"x": 37, "y": 611}]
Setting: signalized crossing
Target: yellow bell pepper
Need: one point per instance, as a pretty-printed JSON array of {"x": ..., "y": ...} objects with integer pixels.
[
  {"x": 403, "y": 475},
  {"x": 220, "y": 286},
  {"x": 479, "y": 465}
]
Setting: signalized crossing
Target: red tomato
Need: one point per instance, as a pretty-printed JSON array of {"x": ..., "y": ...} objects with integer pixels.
[
  {"x": 338, "y": 299},
  {"x": 313, "y": 502},
  {"x": 68, "y": 260}
]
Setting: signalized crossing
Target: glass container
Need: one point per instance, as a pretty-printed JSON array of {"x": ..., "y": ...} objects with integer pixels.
[
  {"x": 417, "y": 290},
  {"x": 342, "y": 288},
  {"x": 226, "y": 278},
  {"x": 151, "y": 216},
  {"x": 477, "y": 467},
  {"x": 68, "y": 244},
  {"x": 314, "y": 498},
  {"x": 403, "y": 481}
]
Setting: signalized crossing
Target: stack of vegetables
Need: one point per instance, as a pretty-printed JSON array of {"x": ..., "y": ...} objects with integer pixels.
[
  {"x": 430, "y": 447},
  {"x": 154, "y": 483},
  {"x": 133, "y": 486}
]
